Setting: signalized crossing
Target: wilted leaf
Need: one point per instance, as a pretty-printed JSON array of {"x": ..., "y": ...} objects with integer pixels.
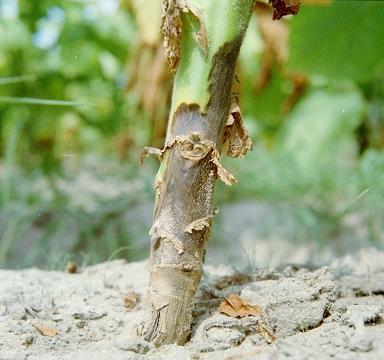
[
  {"x": 235, "y": 306},
  {"x": 284, "y": 7},
  {"x": 45, "y": 329}
]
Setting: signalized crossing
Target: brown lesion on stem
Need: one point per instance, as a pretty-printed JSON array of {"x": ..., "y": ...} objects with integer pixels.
[{"x": 184, "y": 191}]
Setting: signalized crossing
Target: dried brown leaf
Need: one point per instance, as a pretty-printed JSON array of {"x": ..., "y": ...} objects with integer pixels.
[
  {"x": 131, "y": 299},
  {"x": 235, "y": 306},
  {"x": 284, "y": 7},
  {"x": 45, "y": 329}
]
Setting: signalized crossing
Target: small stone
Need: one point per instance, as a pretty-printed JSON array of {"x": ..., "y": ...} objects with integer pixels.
[
  {"x": 18, "y": 312},
  {"x": 360, "y": 343},
  {"x": 89, "y": 315},
  {"x": 29, "y": 340},
  {"x": 36, "y": 308},
  {"x": 138, "y": 347},
  {"x": 81, "y": 324},
  {"x": 225, "y": 336},
  {"x": 68, "y": 329},
  {"x": 57, "y": 317}
]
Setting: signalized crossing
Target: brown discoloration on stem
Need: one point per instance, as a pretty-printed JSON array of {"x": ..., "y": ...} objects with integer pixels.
[
  {"x": 176, "y": 255},
  {"x": 183, "y": 211}
]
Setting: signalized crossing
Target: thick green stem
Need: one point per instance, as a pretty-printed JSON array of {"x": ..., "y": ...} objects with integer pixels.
[{"x": 212, "y": 33}]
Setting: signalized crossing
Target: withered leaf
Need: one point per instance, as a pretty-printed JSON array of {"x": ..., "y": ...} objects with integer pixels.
[
  {"x": 131, "y": 299},
  {"x": 235, "y": 306},
  {"x": 284, "y": 7},
  {"x": 45, "y": 329}
]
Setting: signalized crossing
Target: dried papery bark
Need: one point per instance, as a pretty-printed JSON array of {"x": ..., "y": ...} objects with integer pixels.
[{"x": 202, "y": 119}]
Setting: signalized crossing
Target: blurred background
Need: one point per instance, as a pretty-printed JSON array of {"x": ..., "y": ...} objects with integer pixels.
[{"x": 84, "y": 86}]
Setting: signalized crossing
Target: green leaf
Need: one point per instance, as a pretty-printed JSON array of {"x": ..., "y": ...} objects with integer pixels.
[
  {"x": 36, "y": 101},
  {"x": 16, "y": 79},
  {"x": 343, "y": 40},
  {"x": 319, "y": 132}
]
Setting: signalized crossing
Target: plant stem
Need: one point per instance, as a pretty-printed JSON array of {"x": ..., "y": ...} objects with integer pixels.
[{"x": 190, "y": 164}]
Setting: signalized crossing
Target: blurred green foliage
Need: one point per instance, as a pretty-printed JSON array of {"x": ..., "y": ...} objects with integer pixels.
[
  {"x": 71, "y": 126},
  {"x": 343, "y": 41}
]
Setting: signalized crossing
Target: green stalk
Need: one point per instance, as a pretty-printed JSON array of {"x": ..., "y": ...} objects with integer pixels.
[{"x": 210, "y": 33}]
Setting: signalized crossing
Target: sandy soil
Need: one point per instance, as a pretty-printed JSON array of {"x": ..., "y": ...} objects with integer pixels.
[{"x": 333, "y": 312}]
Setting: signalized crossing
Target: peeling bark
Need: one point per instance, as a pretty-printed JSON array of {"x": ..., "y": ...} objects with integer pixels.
[
  {"x": 236, "y": 135},
  {"x": 148, "y": 151},
  {"x": 171, "y": 28}
]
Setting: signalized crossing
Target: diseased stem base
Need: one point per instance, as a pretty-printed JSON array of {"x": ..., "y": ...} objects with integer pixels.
[
  {"x": 171, "y": 323},
  {"x": 184, "y": 193}
]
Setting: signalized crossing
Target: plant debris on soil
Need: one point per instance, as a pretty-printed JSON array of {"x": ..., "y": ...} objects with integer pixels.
[{"x": 100, "y": 313}]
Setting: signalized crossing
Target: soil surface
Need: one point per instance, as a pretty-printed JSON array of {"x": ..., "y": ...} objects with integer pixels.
[{"x": 99, "y": 313}]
